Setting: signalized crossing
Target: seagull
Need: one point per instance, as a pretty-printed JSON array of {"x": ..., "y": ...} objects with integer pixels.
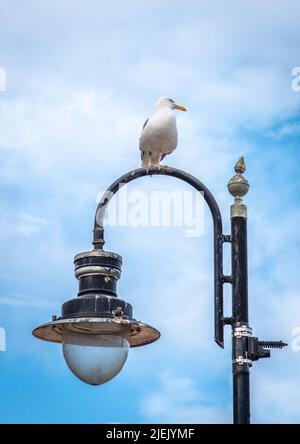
[{"x": 159, "y": 134}]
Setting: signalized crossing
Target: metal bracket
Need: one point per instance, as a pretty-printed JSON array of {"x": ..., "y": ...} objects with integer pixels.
[
  {"x": 254, "y": 349},
  {"x": 228, "y": 320},
  {"x": 226, "y": 279},
  {"x": 226, "y": 238}
]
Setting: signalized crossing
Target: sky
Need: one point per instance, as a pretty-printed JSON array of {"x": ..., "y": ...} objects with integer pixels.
[{"x": 81, "y": 77}]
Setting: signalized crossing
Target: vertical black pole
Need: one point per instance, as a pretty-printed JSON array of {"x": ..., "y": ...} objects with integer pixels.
[
  {"x": 238, "y": 187},
  {"x": 240, "y": 364}
]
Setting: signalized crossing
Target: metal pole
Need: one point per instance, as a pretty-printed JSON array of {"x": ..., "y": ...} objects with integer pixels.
[
  {"x": 238, "y": 187},
  {"x": 240, "y": 364}
]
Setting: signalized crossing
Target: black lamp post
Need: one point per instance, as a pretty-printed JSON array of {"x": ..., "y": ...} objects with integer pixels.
[{"x": 97, "y": 328}]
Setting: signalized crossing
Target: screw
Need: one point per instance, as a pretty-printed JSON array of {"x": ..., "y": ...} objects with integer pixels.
[{"x": 272, "y": 344}]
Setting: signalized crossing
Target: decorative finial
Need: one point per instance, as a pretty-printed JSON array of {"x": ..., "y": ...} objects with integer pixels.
[
  {"x": 238, "y": 187},
  {"x": 240, "y": 166}
]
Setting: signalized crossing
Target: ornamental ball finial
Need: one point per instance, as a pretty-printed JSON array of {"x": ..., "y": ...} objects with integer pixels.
[{"x": 238, "y": 186}]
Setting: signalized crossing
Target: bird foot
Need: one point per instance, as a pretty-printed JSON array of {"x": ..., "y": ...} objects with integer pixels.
[{"x": 157, "y": 167}]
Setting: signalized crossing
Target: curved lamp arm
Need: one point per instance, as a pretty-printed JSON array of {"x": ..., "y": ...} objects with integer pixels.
[{"x": 98, "y": 239}]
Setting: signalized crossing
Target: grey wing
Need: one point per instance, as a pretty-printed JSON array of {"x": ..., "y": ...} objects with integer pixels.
[
  {"x": 142, "y": 152},
  {"x": 145, "y": 124}
]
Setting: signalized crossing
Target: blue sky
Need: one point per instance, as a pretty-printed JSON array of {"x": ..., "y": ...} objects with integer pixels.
[{"x": 82, "y": 77}]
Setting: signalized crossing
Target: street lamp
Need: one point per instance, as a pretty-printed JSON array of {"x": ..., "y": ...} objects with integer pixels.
[{"x": 97, "y": 328}]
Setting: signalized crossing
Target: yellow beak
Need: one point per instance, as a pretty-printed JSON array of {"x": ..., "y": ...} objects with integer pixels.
[{"x": 182, "y": 108}]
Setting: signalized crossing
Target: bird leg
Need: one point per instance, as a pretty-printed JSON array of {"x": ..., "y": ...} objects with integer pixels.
[
  {"x": 145, "y": 159},
  {"x": 154, "y": 159}
]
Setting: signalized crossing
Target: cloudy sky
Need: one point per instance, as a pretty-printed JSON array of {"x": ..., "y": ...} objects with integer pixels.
[{"x": 81, "y": 78}]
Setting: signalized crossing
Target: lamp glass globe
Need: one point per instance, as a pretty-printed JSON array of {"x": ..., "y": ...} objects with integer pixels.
[{"x": 94, "y": 358}]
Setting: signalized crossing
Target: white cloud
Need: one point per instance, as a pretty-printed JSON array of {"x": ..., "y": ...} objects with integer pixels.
[
  {"x": 19, "y": 300},
  {"x": 21, "y": 223},
  {"x": 288, "y": 129},
  {"x": 47, "y": 134},
  {"x": 178, "y": 400},
  {"x": 276, "y": 394}
]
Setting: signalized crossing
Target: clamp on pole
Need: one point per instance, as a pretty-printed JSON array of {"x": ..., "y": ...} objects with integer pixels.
[
  {"x": 254, "y": 348},
  {"x": 240, "y": 360},
  {"x": 243, "y": 330}
]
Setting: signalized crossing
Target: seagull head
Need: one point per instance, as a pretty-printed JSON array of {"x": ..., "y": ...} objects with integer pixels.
[{"x": 165, "y": 102}]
